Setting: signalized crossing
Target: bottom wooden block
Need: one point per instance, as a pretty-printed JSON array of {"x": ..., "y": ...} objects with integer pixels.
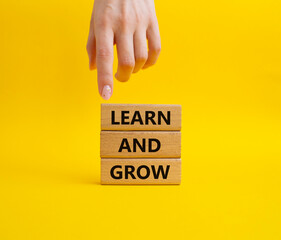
[{"x": 140, "y": 171}]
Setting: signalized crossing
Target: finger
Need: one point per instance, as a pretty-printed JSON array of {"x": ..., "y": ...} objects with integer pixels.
[
  {"x": 140, "y": 50},
  {"x": 91, "y": 49},
  {"x": 91, "y": 46},
  {"x": 126, "y": 59},
  {"x": 154, "y": 45},
  {"x": 104, "y": 61}
]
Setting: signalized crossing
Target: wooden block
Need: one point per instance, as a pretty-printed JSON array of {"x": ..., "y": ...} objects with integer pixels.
[
  {"x": 140, "y": 117},
  {"x": 140, "y": 144},
  {"x": 140, "y": 171}
]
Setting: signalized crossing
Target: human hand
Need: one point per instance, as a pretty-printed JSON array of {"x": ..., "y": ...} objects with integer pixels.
[{"x": 129, "y": 24}]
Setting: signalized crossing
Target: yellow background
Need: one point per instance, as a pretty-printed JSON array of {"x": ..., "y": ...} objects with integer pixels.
[{"x": 220, "y": 59}]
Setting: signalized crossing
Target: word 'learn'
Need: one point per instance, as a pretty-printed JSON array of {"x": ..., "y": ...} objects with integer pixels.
[{"x": 148, "y": 117}]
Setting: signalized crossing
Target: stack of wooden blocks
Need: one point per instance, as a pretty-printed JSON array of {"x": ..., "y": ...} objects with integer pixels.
[{"x": 140, "y": 144}]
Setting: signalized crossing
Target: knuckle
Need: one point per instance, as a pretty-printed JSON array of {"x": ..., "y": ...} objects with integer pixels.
[
  {"x": 157, "y": 50},
  {"x": 103, "y": 52},
  {"x": 124, "y": 23},
  {"x": 141, "y": 57},
  {"x": 125, "y": 20},
  {"x": 127, "y": 62},
  {"x": 139, "y": 18}
]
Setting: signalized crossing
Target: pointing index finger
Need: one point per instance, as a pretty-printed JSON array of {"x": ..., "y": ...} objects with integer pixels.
[{"x": 104, "y": 61}]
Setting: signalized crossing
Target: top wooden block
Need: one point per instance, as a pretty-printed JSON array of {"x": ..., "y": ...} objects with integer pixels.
[{"x": 140, "y": 117}]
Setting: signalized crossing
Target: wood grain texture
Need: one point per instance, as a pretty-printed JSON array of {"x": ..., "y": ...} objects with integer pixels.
[
  {"x": 140, "y": 171},
  {"x": 144, "y": 109},
  {"x": 111, "y": 142}
]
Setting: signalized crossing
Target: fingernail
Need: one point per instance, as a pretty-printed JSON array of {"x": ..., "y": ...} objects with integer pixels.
[{"x": 106, "y": 92}]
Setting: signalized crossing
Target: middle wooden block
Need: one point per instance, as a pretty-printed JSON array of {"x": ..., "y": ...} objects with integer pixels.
[{"x": 140, "y": 144}]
